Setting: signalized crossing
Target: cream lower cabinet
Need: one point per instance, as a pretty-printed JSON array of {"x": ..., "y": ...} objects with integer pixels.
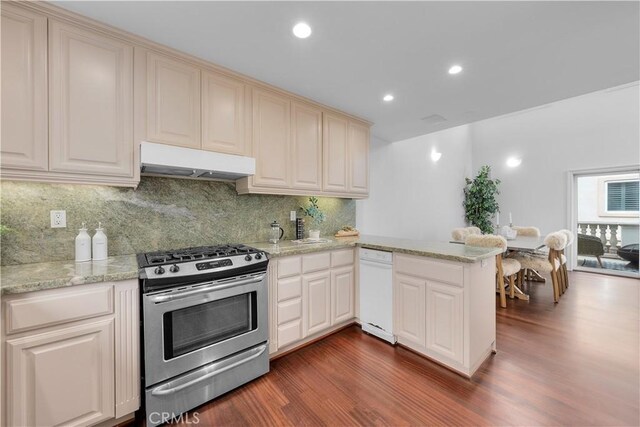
[
  {"x": 312, "y": 294},
  {"x": 71, "y": 355},
  {"x": 445, "y": 310}
]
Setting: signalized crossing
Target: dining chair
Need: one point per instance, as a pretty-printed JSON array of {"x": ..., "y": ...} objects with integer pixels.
[
  {"x": 563, "y": 259},
  {"x": 506, "y": 267},
  {"x": 548, "y": 263},
  {"x": 527, "y": 231},
  {"x": 460, "y": 234}
]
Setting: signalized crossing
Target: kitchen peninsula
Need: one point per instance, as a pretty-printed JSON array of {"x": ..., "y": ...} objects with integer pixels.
[{"x": 444, "y": 296}]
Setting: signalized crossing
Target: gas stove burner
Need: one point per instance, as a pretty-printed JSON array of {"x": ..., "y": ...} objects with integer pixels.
[{"x": 193, "y": 254}]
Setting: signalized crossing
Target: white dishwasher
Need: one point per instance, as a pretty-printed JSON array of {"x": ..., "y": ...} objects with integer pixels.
[{"x": 376, "y": 293}]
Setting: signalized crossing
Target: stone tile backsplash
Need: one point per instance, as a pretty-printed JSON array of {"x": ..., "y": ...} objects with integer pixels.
[{"x": 162, "y": 213}]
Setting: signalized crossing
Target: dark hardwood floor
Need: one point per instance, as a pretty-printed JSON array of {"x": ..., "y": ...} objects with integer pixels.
[{"x": 573, "y": 363}]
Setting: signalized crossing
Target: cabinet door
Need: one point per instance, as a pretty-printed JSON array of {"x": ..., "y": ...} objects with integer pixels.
[
  {"x": 335, "y": 134},
  {"x": 62, "y": 377},
  {"x": 316, "y": 309},
  {"x": 173, "y": 101},
  {"x": 24, "y": 89},
  {"x": 343, "y": 294},
  {"x": 409, "y": 309},
  {"x": 91, "y": 102},
  {"x": 445, "y": 320},
  {"x": 271, "y": 133},
  {"x": 223, "y": 114},
  {"x": 358, "y": 158},
  {"x": 306, "y": 145}
]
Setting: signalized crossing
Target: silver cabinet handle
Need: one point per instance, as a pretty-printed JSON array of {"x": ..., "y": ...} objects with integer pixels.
[
  {"x": 204, "y": 289},
  {"x": 163, "y": 391}
]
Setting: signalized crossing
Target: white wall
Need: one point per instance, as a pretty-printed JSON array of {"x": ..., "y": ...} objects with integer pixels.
[
  {"x": 414, "y": 198},
  {"x": 410, "y": 195},
  {"x": 597, "y": 130}
]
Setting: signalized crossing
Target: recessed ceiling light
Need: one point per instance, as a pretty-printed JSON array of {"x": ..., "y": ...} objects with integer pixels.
[
  {"x": 388, "y": 97},
  {"x": 455, "y": 69},
  {"x": 513, "y": 162},
  {"x": 301, "y": 30}
]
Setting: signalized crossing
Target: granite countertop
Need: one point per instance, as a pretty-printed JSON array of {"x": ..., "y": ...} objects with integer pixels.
[
  {"x": 15, "y": 279},
  {"x": 431, "y": 249},
  {"x": 439, "y": 250}
]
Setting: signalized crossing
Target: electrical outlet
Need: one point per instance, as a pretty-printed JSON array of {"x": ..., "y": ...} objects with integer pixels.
[
  {"x": 58, "y": 219},
  {"x": 292, "y": 216}
]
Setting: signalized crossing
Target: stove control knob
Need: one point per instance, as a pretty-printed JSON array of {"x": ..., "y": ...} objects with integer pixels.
[
  {"x": 258, "y": 256},
  {"x": 174, "y": 268},
  {"x": 247, "y": 258},
  {"x": 159, "y": 270}
]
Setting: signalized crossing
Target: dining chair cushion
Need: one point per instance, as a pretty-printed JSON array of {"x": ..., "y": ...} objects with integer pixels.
[
  {"x": 474, "y": 230},
  {"x": 486, "y": 241},
  {"x": 459, "y": 234},
  {"x": 556, "y": 240},
  {"x": 569, "y": 235},
  {"x": 527, "y": 231},
  {"x": 535, "y": 262},
  {"x": 510, "y": 266}
]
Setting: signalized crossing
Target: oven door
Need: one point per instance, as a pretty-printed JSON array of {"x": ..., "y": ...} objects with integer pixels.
[{"x": 190, "y": 327}]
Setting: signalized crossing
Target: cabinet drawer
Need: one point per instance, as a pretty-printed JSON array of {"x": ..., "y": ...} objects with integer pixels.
[
  {"x": 289, "y": 266},
  {"x": 290, "y": 332},
  {"x": 289, "y": 310},
  {"x": 427, "y": 269},
  {"x": 289, "y": 288},
  {"x": 47, "y": 308},
  {"x": 316, "y": 262},
  {"x": 342, "y": 257}
]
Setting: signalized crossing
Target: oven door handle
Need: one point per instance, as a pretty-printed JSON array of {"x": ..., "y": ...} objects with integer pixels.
[
  {"x": 215, "y": 287},
  {"x": 166, "y": 389}
]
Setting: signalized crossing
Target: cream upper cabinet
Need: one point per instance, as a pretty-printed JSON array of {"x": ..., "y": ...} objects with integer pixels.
[
  {"x": 24, "y": 89},
  {"x": 223, "y": 111},
  {"x": 358, "y": 155},
  {"x": 90, "y": 102},
  {"x": 306, "y": 146},
  {"x": 173, "y": 101},
  {"x": 271, "y": 138},
  {"x": 335, "y": 135}
]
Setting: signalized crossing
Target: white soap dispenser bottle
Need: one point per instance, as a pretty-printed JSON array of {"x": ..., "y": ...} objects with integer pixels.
[
  {"x": 83, "y": 245},
  {"x": 99, "y": 244}
]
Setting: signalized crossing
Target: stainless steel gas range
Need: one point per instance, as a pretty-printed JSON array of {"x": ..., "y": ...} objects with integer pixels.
[{"x": 204, "y": 325}]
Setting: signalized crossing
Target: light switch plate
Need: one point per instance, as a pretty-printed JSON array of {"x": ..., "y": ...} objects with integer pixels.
[
  {"x": 292, "y": 216},
  {"x": 58, "y": 219}
]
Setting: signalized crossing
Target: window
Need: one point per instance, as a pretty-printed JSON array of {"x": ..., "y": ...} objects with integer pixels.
[{"x": 623, "y": 196}]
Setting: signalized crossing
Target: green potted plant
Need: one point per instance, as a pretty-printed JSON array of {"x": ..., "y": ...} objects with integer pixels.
[
  {"x": 317, "y": 217},
  {"x": 480, "y": 202}
]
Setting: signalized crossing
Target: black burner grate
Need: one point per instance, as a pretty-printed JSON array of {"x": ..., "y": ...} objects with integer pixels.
[{"x": 191, "y": 254}]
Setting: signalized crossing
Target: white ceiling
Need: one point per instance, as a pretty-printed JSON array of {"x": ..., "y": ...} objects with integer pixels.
[{"x": 515, "y": 55}]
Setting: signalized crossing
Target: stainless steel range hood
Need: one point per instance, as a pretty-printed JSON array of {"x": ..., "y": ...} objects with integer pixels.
[{"x": 161, "y": 159}]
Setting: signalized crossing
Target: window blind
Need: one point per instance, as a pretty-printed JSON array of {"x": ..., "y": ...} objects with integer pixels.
[{"x": 623, "y": 196}]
